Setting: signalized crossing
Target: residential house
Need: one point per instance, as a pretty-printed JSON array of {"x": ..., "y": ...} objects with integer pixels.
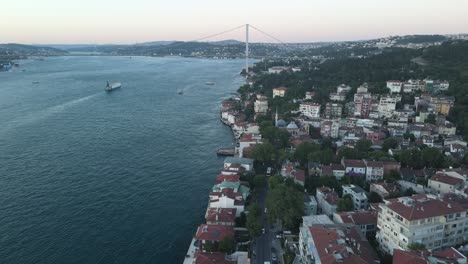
[
  {"x": 374, "y": 170},
  {"x": 221, "y": 216},
  {"x": 365, "y": 220},
  {"x": 261, "y": 106},
  {"x": 211, "y": 257},
  {"x": 244, "y": 162},
  {"x": 333, "y": 110},
  {"x": 334, "y": 244},
  {"x": 309, "y": 109},
  {"x": 443, "y": 183},
  {"x": 354, "y": 167},
  {"x": 327, "y": 200},
  {"x": 384, "y": 189},
  {"x": 277, "y": 69},
  {"x": 343, "y": 88},
  {"x": 447, "y": 256},
  {"x": 227, "y": 198},
  {"x": 394, "y": 86},
  {"x": 358, "y": 196},
  {"x": 279, "y": 91},
  {"x": 213, "y": 234},
  {"x": 424, "y": 219},
  {"x": 340, "y": 97},
  {"x": 310, "y": 205}
]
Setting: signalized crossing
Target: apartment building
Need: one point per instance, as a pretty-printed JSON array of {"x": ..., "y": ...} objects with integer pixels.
[{"x": 358, "y": 195}]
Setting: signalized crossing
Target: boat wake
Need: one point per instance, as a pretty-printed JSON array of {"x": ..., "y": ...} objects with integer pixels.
[{"x": 43, "y": 114}]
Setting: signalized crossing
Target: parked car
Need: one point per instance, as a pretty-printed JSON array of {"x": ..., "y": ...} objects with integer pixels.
[
  {"x": 274, "y": 257},
  {"x": 268, "y": 171}
]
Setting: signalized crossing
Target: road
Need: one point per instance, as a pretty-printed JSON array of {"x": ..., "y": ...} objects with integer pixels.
[{"x": 263, "y": 242}]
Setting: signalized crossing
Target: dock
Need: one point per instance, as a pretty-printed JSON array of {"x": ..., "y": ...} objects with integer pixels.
[{"x": 226, "y": 151}]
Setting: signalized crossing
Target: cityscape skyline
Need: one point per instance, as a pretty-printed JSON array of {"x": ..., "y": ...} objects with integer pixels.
[{"x": 123, "y": 22}]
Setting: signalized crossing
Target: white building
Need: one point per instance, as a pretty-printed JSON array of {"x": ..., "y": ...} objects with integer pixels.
[
  {"x": 311, "y": 110},
  {"x": 394, "y": 86},
  {"x": 327, "y": 200},
  {"x": 340, "y": 97},
  {"x": 443, "y": 183},
  {"x": 343, "y": 88},
  {"x": 387, "y": 106},
  {"x": 424, "y": 219},
  {"x": 261, "y": 106},
  {"x": 358, "y": 195},
  {"x": 277, "y": 69},
  {"x": 374, "y": 170},
  {"x": 279, "y": 91}
]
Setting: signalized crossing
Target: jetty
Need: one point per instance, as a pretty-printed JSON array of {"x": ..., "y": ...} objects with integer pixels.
[{"x": 226, "y": 152}]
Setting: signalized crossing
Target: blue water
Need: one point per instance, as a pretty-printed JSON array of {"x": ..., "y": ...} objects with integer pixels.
[{"x": 93, "y": 177}]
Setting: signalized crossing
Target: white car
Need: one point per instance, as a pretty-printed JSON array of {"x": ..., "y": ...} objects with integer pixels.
[
  {"x": 266, "y": 209},
  {"x": 263, "y": 230}
]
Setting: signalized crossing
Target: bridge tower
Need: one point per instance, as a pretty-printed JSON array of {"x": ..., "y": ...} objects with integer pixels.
[{"x": 247, "y": 49}]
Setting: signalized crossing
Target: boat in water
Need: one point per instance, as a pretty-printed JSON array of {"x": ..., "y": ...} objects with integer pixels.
[
  {"x": 113, "y": 86},
  {"x": 180, "y": 92},
  {"x": 35, "y": 82},
  {"x": 209, "y": 83}
]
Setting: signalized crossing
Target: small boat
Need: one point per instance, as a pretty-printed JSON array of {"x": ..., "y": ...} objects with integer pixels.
[
  {"x": 210, "y": 83},
  {"x": 113, "y": 86},
  {"x": 180, "y": 92},
  {"x": 35, "y": 82}
]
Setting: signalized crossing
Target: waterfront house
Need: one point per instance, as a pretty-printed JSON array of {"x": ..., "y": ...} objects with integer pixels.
[
  {"x": 221, "y": 216},
  {"x": 213, "y": 234},
  {"x": 246, "y": 163},
  {"x": 227, "y": 198},
  {"x": 211, "y": 257}
]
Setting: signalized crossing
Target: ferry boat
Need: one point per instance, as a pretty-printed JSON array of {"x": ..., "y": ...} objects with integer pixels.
[
  {"x": 209, "y": 83},
  {"x": 113, "y": 86}
]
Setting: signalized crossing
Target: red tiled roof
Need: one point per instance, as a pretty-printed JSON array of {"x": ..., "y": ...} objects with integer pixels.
[
  {"x": 440, "y": 177},
  {"x": 409, "y": 257},
  {"x": 354, "y": 163},
  {"x": 229, "y": 178},
  {"x": 281, "y": 88},
  {"x": 221, "y": 215},
  {"x": 332, "y": 198},
  {"x": 299, "y": 175},
  {"x": 214, "y": 232},
  {"x": 359, "y": 217},
  {"x": 210, "y": 258},
  {"x": 422, "y": 207},
  {"x": 449, "y": 253},
  {"x": 331, "y": 245},
  {"x": 374, "y": 164}
]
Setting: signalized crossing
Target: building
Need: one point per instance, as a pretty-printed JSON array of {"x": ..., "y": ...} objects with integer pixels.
[
  {"x": 311, "y": 110},
  {"x": 446, "y": 256},
  {"x": 384, "y": 189},
  {"x": 329, "y": 244},
  {"x": 211, "y": 257},
  {"x": 387, "y": 106},
  {"x": 261, "y": 106},
  {"x": 343, "y": 88},
  {"x": 310, "y": 205},
  {"x": 279, "y": 91},
  {"x": 362, "y": 104},
  {"x": 227, "y": 198},
  {"x": 358, "y": 195},
  {"x": 354, "y": 167},
  {"x": 443, "y": 183},
  {"x": 442, "y": 104},
  {"x": 374, "y": 170},
  {"x": 340, "y": 97},
  {"x": 213, "y": 234},
  {"x": 333, "y": 110},
  {"x": 422, "y": 218},
  {"x": 309, "y": 95},
  {"x": 221, "y": 216},
  {"x": 365, "y": 220},
  {"x": 394, "y": 86},
  {"x": 247, "y": 164},
  {"x": 329, "y": 128},
  {"x": 277, "y": 69},
  {"x": 327, "y": 200}
]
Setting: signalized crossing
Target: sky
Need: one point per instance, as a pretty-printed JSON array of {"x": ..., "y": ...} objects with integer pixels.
[{"x": 136, "y": 21}]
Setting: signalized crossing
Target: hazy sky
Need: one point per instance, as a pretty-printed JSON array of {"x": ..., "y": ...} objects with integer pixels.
[{"x": 130, "y": 21}]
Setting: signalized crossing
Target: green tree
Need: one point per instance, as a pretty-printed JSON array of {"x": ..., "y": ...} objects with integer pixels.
[
  {"x": 286, "y": 204},
  {"x": 253, "y": 220},
  {"x": 226, "y": 245},
  {"x": 389, "y": 143},
  {"x": 392, "y": 176},
  {"x": 374, "y": 197},
  {"x": 263, "y": 153},
  {"x": 431, "y": 119},
  {"x": 416, "y": 246},
  {"x": 432, "y": 157},
  {"x": 275, "y": 181},
  {"x": 363, "y": 145},
  {"x": 259, "y": 181},
  {"x": 303, "y": 150},
  {"x": 345, "y": 204}
]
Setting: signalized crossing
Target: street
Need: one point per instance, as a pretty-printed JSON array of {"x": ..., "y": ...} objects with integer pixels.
[{"x": 263, "y": 243}]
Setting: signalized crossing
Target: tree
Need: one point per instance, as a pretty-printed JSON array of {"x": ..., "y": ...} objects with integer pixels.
[
  {"x": 259, "y": 180},
  {"x": 363, "y": 145},
  {"x": 392, "y": 176},
  {"x": 374, "y": 197},
  {"x": 303, "y": 150},
  {"x": 416, "y": 246},
  {"x": 263, "y": 153},
  {"x": 431, "y": 119},
  {"x": 226, "y": 245},
  {"x": 432, "y": 157},
  {"x": 389, "y": 143},
  {"x": 345, "y": 204},
  {"x": 285, "y": 203},
  {"x": 253, "y": 222}
]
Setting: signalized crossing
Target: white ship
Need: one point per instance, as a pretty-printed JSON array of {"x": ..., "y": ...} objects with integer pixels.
[{"x": 113, "y": 86}]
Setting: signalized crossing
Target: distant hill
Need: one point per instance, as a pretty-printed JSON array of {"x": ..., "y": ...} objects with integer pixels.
[
  {"x": 28, "y": 50},
  {"x": 419, "y": 39}
]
